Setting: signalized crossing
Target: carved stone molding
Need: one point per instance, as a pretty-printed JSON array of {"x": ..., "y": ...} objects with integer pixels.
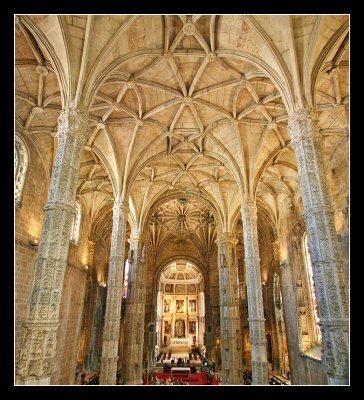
[
  {"x": 113, "y": 301},
  {"x": 37, "y": 356},
  {"x": 330, "y": 285},
  {"x": 254, "y": 294},
  {"x": 229, "y": 310},
  {"x": 132, "y": 365},
  {"x": 189, "y": 29}
]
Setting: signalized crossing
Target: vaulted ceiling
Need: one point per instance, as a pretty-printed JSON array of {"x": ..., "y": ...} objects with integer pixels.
[{"x": 192, "y": 106}]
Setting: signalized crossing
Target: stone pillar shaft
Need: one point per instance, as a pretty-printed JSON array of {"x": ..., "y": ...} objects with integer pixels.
[
  {"x": 255, "y": 297},
  {"x": 135, "y": 314},
  {"x": 111, "y": 332},
  {"x": 38, "y": 350},
  {"x": 231, "y": 349},
  {"x": 330, "y": 285}
]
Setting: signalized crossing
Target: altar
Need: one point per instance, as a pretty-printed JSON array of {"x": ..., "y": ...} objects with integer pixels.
[
  {"x": 175, "y": 371},
  {"x": 179, "y": 341},
  {"x": 179, "y": 345}
]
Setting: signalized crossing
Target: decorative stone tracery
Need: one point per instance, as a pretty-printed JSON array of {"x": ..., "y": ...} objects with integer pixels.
[
  {"x": 329, "y": 278},
  {"x": 38, "y": 351},
  {"x": 229, "y": 311},
  {"x": 254, "y": 293},
  {"x": 111, "y": 331},
  {"x": 135, "y": 312}
]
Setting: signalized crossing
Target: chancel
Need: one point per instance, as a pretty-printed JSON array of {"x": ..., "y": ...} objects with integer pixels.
[{"x": 181, "y": 199}]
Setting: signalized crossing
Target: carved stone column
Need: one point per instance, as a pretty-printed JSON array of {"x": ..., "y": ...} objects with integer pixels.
[
  {"x": 135, "y": 313},
  {"x": 231, "y": 348},
  {"x": 208, "y": 339},
  {"x": 38, "y": 349},
  {"x": 254, "y": 293},
  {"x": 283, "y": 253},
  {"x": 330, "y": 286},
  {"x": 111, "y": 332}
]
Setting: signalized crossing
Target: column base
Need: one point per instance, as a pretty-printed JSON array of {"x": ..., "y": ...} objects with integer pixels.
[
  {"x": 337, "y": 381},
  {"x": 260, "y": 373},
  {"x": 33, "y": 381},
  {"x": 134, "y": 382}
]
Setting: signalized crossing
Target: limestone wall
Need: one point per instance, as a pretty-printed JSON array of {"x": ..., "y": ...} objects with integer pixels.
[{"x": 28, "y": 226}]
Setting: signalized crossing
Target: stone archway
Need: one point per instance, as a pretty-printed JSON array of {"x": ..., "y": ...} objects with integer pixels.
[{"x": 180, "y": 309}]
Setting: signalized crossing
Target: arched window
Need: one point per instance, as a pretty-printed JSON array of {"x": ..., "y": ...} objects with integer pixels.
[
  {"x": 76, "y": 223},
  {"x": 21, "y": 166},
  {"x": 313, "y": 299},
  {"x": 125, "y": 282}
]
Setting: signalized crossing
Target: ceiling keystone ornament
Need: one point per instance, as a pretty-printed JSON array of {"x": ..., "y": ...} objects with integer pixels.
[
  {"x": 211, "y": 57},
  {"x": 41, "y": 70},
  {"x": 168, "y": 55},
  {"x": 153, "y": 218},
  {"x": 187, "y": 100},
  {"x": 38, "y": 110},
  {"x": 182, "y": 200},
  {"x": 189, "y": 29},
  {"x": 210, "y": 220}
]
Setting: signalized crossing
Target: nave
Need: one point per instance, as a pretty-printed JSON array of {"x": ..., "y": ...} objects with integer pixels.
[{"x": 181, "y": 185}]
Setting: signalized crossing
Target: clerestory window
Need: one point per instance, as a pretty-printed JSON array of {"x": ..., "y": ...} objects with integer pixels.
[
  {"x": 21, "y": 159},
  {"x": 76, "y": 223},
  {"x": 313, "y": 299}
]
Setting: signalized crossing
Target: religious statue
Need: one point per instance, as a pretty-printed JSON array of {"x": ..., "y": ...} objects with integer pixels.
[
  {"x": 179, "y": 306},
  {"x": 167, "y": 304},
  {"x": 192, "y": 327},
  {"x": 167, "y": 327},
  {"x": 180, "y": 328},
  {"x": 203, "y": 351},
  {"x": 192, "y": 306}
]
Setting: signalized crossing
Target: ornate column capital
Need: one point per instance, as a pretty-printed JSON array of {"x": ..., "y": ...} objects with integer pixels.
[
  {"x": 226, "y": 237},
  {"x": 72, "y": 120},
  {"x": 139, "y": 236},
  {"x": 303, "y": 124},
  {"x": 249, "y": 209},
  {"x": 120, "y": 205}
]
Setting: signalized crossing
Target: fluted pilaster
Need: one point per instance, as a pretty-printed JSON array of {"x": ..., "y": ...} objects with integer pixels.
[
  {"x": 330, "y": 286},
  {"x": 38, "y": 350}
]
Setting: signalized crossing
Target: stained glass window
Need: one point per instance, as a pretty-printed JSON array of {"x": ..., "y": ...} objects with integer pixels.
[
  {"x": 312, "y": 289},
  {"x": 21, "y": 164},
  {"x": 75, "y": 231},
  {"x": 125, "y": 282}
]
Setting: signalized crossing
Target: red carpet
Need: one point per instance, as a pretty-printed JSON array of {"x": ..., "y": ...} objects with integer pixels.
[{"x": 197, "y": 378}]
